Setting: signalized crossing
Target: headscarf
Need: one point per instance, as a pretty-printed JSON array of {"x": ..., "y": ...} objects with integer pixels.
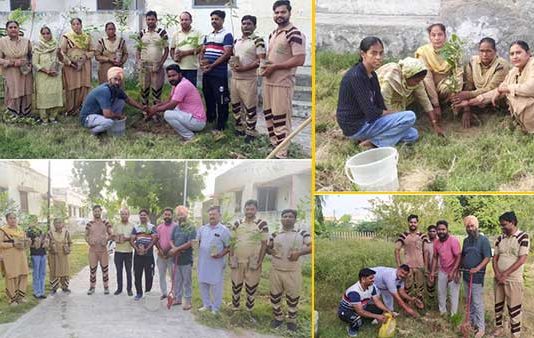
[
  {"x": 115, "y": 71},
  {"x": 433, "y": 59},
  {"x": 481, "y": 81},
  {"x": 45, "y": 47},
  {"x": 396, "y": 74}
]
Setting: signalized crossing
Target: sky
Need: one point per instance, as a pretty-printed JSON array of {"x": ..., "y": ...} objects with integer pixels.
[
  {"x": 61, "y": 172},
  {"x": 355, "y": 205}
]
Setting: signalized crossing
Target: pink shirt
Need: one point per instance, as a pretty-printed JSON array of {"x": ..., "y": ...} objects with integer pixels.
[
  {"x": 188, "y": 98},
  {"x": 164, "y": 235},
  {"x": 447, "y": 252}
]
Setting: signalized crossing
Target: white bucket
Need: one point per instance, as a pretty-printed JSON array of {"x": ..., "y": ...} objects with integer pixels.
[
  {"x": 374, "y": 169},
  {"x": 118, "y": 128}
]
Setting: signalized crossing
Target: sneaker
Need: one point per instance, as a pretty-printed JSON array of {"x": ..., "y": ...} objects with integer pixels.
[
  {"x": 42, "y": 296},
  {"x": 276, "y": 323},
  {"x": 374, "y": 322},
  {"x": 53, "y": 292},
  {"x": 106, "y": 291},
  {"x": 204, "y": 309},
  {"x": 163, "y": 297},
  {"x": 66, "y": 290},
  {"x": 292, "y": 327},
  {"x": 91, "y": 291},
  {"x": 118, "y": 292},
  {"x": 35, "y": 296},
  {"x": 214, "y": 312},
  {"x": 130, "y": 293},
  {"x": 138, "y": 297},
  {"x": 187, "y": 306},
  {"x": 352, "y": 332}
]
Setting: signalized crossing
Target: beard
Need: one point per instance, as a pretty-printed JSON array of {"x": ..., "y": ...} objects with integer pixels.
[
  {"x": 174, "y": 82},
  {"x": 472, "y": 233},
  {"x": 443, "y": 237}
]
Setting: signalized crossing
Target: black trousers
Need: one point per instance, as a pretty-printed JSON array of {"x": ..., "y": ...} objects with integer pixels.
[
  {"x": 355, "y": 320},
  {"x": 144, "y": 264},
  {"x": 191, "y": 75},
  {"x": 123, "y": 259},
  {"x": 217, "y": 96}
]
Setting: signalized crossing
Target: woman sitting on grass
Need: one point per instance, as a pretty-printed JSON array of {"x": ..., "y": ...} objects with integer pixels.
[
  {"x": 361, "y": 112},
  {"x": 437, "y": 80},
  {"x": 518, "y": 88},
  {"x": 401, "y": 85}
]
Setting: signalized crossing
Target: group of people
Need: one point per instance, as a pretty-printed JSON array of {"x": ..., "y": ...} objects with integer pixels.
[
  {"x": 437, "y": 257},
  {"x": 374, "y": 98},
  {"x": 63, "y": 75}
]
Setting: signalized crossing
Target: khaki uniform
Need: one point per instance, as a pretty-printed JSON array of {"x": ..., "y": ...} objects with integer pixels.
[
  {"x": 152, "y": 77},
  {"x": 508, "y": 250},
  {"x": 244, "y": 85},
  {"x": 58, "y": 258},
  {"x": 106, "y": 52},
  {"x": 413, "y": 245},
  {"x": 14, "y": 264},
  {"x": 278, "y": 87},
  {"x": 286, "y": 275},
  {"x": 96, "y": 234},
  {"x": 430, "y": 287},
  {"x": 248, "y": 237}
]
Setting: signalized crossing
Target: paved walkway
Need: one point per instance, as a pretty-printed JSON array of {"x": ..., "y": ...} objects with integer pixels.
[{"x": 78, "y": 315}]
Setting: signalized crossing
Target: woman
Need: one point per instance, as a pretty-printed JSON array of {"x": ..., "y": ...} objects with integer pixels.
[
  {"x": 485, "y": 71},
  {"x": 110, "y": 52},
  {"x": 58, "y": 261},
  {"x": 437, "y": 79},
  {"x": 517, "y": 88},
  {"x": 77, "y": 52},
  {"x": 48, "y": 83},
  {"x": 401, "y": 85},
  {"x": 14, "y": 264},
  {"x": 361, "y": 111},
  {"x": 15, "y": 59}
]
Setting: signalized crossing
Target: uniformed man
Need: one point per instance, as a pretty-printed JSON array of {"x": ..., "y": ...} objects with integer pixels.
[
  {"x": 413, "y": 243},
  {"x": 429, "y": 252},
  {"x": 97, "y": 234},
  {"x": 250, "y": 236},
  {"x": 287, "y": 51},
  {"x": 286, "y": 247},
  {"x": 185, "y": 47},
  {"x": 150, "y": 58},
  {"x": 511, "y": 252},
  {"x": 248, "y": 51}
]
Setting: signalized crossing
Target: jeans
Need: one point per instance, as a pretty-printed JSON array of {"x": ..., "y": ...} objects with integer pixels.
[
  {"x": 389, "y": 130},
  {"x": 144, "y": 264},
  {"x": 184, "y": 123},
  {"x": 123, "y": 259},
  {"x": 477, "y": 305},
  {"x": 164, "y": 266},
  {"x": 191, "y": 75},
  {"x": 98, "y": 123},
  {"x": 454, "y": 290},
  {"x": 39, "y": 274},
  {"x": 183, "y": 282},
  {"x": 216, "y": 100}
]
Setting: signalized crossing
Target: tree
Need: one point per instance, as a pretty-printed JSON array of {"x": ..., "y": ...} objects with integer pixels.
[
  {"x": 91, "y": 177},
  {"x": 319, "y": 217}
]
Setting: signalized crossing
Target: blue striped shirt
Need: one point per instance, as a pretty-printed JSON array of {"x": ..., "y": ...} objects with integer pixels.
[{"x": 214, "y": 44}]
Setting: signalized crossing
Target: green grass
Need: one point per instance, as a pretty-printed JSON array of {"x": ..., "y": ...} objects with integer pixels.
[
  {"x": 336, "y": 267},
  {"x": 69, "y": 139},
  {"x": 489, "y": 157},
  {"x": 260, "y": 318},
  {"x": 77, "y": 260}
]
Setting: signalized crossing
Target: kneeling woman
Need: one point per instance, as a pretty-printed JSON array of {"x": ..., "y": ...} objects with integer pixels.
[
  {"x": 517, "y": 87},
  {"x": 361, "y": 112}
]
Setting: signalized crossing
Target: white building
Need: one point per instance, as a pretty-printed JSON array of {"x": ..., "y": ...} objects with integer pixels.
[
  {"x": 275, "y": 185},
  {"x": 73, "y": 200}
]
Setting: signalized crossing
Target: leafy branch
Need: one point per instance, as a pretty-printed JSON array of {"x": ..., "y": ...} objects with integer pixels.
[{"x": 452, "y": 52}]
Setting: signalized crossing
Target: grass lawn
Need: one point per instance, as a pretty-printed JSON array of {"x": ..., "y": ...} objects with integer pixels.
[
  {"x": 260, "y": 318},
  {"x": 493, "y": 156},
  {"x": 336, "y": 267},
  {"x": 77, "y": 260},
  {"x": 68, "y": 139}
]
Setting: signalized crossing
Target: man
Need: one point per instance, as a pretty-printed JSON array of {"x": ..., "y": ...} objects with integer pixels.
[
  {"x": 142, "y": 240},
  {"x": 287, "y": 51},
  {"x": 361, "y": 301},
  {"x": 214, "y": 244},
  {"x": 248, "y": 51},
  {"x": 413, "y": 242},
  {"x": 39, "y": 244},
  {"x": 185, "y": 47},
  {"x": 216, "y": 50},
  {"x": 286, "y": 247},
  {"x": 511, "y": 252},
  {"x": 246, "y": 257},
  {"x": 184, "y": 110},
  {"x": 476, "y": 254},
  {"x": 429, "y": 252},
  {"x": 151, "y": 57},
  {"x": 123, "y": 251},
  {"x": 97, "y": 234},
  {"x": 105, "y": 103},
  {"x": 390, "y": 285},
  {"x": 447, "y": 251},
  {"x": 181, "y": 243},
  {"x": 164, "y": 260}
]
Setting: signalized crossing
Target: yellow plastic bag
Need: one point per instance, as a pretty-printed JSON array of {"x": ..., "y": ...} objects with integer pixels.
[{"x": 387, "y": 330}]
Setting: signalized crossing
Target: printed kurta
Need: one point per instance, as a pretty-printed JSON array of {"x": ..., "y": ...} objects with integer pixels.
[{"x": 48, "y": 89}]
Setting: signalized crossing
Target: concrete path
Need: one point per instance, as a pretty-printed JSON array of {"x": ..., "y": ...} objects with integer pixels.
[{"x": 78, "y": 316}]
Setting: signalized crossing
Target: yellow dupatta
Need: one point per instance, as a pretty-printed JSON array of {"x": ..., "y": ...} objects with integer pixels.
[
  {"x": 481, "y": 81},
  {"x": 15, "y": 232},
  {"x": 81, "y": 40},
  {"x": 432, "y": 58}
]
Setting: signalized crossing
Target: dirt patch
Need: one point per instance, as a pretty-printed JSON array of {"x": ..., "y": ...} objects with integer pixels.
[
  {"x": 523, "y": 183},
  {"x": 416, "y": 180}
]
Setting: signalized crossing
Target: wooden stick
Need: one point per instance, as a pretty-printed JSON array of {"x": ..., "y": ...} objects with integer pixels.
[{"x": 288, "y": 139}]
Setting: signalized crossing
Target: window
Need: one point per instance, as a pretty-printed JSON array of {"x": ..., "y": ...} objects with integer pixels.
[
  {"x": 107, "y": 5},
  {"x": 24, "y": 201},
  {"x": 238, "y": 201},
  {"x": 211, "y": 3},
  {"x": 267, "y": 199},
  {"x": 25, "y": 5}
]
